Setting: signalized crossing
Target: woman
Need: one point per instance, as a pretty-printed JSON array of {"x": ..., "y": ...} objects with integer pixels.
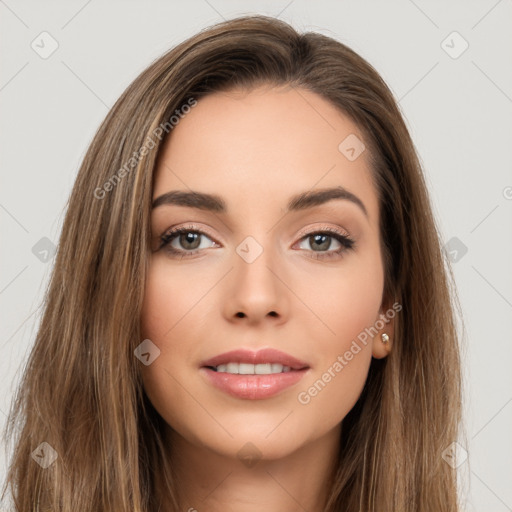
[{"x": 249, "y": 307}]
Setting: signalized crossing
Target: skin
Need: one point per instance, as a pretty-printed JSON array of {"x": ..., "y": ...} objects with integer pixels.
[{"x": 256, "y": 149}]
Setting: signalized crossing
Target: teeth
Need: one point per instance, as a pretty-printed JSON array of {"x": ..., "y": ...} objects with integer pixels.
[
  {"x": 231, "y": 367},
  {"x": 246, "y": 369},
  {"x": 252, "y": 369}
]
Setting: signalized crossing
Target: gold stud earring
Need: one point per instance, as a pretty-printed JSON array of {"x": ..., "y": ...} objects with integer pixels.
[{"x": 385, "y": 338}]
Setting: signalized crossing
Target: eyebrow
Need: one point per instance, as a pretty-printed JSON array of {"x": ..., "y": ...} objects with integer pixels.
[{"x": 214, "y": 203}]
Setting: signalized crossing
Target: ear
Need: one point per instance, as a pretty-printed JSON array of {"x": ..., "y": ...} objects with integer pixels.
[{"x": 381, "y": 349}]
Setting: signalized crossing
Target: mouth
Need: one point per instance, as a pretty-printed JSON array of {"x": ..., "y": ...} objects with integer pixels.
[{"x": 253, "y": 375}]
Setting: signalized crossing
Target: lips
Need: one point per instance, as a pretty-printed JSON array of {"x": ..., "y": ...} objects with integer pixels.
[
  {"x": 267, "y": 355},
  {"x": 252, "y": 386}
]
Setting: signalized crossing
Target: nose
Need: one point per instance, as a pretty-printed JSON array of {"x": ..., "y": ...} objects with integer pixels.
[{"x": 257, "y": 291}]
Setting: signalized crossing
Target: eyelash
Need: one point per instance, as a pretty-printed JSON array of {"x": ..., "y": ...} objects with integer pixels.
[{"x": 346, "y": 242}]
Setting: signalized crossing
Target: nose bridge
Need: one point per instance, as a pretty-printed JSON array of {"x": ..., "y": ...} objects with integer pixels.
[{"x": 257, "y": 290}]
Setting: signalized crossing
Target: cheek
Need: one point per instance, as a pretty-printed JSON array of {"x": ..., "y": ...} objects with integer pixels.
[
  {"x": 172, "y": 314},
  {"x": 170, "y": 297},
  {"x": 164, "y": 311},
  {"x": 334, "y": 390},
  {"x": 348, "y": 304},
  {"x": 343, "y": 355},
  {"x": 346, "y": 300}
]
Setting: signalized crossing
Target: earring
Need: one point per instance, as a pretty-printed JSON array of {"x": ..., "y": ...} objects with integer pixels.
[{"x": 385, "y": 338}]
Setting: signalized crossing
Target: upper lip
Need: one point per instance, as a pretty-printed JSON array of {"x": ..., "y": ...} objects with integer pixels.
[{"x": 265, "y": 355}]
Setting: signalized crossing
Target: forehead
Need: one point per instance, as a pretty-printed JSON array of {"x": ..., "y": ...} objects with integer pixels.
[{"x": 263, "y": 146}]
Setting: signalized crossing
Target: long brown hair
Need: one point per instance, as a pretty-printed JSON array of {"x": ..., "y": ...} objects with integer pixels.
[{"x": 81, "y": 390}]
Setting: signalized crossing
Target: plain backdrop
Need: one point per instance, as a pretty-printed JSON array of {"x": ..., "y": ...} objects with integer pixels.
[{"x": 449, "y": 64}]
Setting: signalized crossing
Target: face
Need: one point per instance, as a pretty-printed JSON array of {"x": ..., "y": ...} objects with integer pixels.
[{"x": 257, "y": 268}]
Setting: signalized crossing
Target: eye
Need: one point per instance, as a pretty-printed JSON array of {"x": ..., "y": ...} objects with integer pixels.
[
  {"x": 321, "y": 241},
  {"x": 188, "y": 238}
]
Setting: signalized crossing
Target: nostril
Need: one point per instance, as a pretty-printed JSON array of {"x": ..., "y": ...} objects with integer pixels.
[{"x": 242, "y": 315}]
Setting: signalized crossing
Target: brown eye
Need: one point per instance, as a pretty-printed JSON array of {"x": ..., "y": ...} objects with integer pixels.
[
  {"x": 184, "y": 241},
  {"x": 189, "y": 240},
  {"x": 321, "y": 241}
]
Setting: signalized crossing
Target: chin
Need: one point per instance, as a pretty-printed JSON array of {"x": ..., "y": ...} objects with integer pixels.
[{"x": 250, "y": 444}]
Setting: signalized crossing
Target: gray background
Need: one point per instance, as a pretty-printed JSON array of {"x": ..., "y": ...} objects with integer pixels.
[{"x": 458, "y": 111}]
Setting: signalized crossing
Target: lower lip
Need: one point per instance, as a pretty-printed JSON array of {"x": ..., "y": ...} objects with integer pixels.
[{"x": 253, "y": 387}]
